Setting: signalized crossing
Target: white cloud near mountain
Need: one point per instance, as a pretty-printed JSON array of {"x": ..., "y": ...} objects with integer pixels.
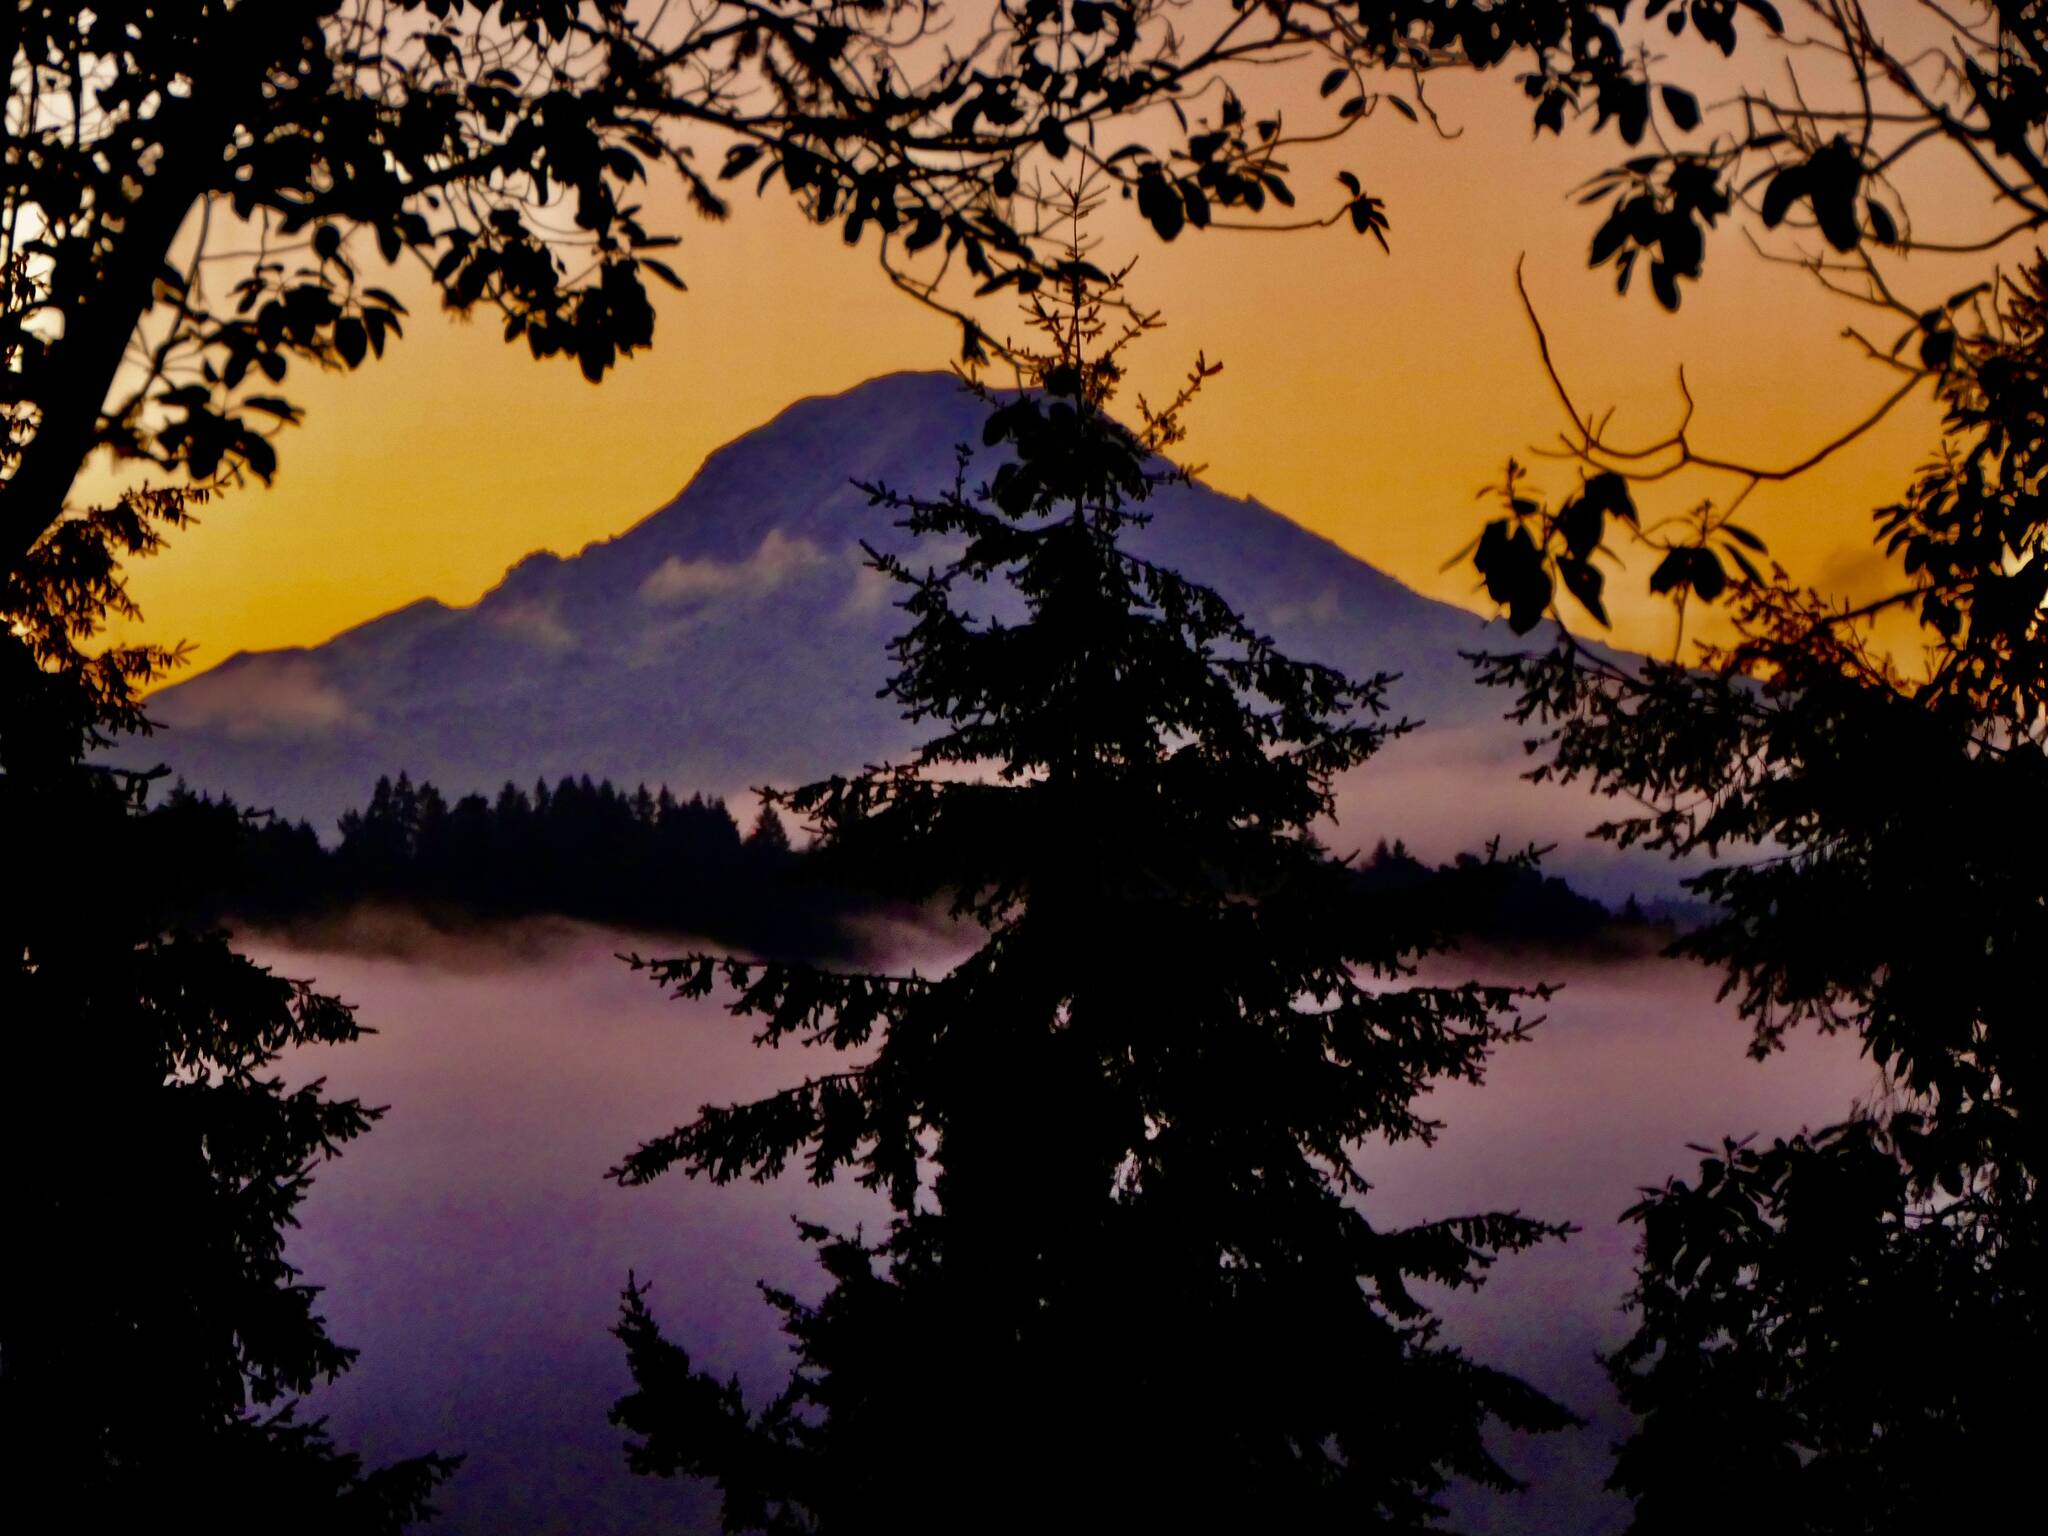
[
  {"x": 872, "y": 590},
  {"x": 538, "y": 623},
  {"x": 734, "y": 638},
  {"x": 266, "y": 697},
  {"x": 1326, "y": 607},
  {"x": 778, "y": 559}
]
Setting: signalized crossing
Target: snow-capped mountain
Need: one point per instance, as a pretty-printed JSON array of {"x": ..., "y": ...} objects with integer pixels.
[{"x": 735, "y": 638}]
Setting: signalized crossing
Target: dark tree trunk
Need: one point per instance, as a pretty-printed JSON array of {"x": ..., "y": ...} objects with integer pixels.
[{"x": 102, "y": 311}]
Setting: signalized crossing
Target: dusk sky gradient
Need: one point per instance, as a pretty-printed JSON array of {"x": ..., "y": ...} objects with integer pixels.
[
  {"x": 474, "y": 1248},
  {"x": 1368, "y": 396}
]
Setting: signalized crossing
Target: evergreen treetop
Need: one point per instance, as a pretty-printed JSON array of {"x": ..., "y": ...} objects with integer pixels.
[{"x": 1129, "y": 1268}]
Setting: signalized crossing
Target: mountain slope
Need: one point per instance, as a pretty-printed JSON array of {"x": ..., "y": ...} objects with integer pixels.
[{"x": 734, "y": 638}]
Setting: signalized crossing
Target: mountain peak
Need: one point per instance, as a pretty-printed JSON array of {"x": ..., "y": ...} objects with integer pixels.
[{"x": 735, "y": 636}]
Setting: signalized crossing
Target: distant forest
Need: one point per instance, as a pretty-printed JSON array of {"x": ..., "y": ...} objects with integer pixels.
[
  {"x": 638, "y": 859},
  {"x": 652, "y": 861}
]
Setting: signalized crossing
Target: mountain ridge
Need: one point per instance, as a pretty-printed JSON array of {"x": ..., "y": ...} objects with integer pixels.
[{"x": 734, "y": 637}]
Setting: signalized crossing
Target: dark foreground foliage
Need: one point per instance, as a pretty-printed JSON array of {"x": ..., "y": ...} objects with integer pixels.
[
  {"x": 219, "y": 183},
  {"x": 1831, "y": 1329},
  {"x": 1130, "y": 1280},
  {"x": 153, "y": 1337}
]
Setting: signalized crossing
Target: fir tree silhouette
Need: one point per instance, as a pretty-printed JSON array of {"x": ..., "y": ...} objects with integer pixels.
[
  {"x": 154, "y": 1339},
  {"x": 1130, "y": 1276}
]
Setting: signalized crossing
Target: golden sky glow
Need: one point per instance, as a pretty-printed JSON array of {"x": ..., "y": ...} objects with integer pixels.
[{"x": 1368, "y": 396}]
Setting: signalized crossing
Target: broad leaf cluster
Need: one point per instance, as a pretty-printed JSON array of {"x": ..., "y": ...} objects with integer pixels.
[
  {"x": 1881, "y": 104},
  {"x": 196, "y": 198},
  {"x": 1828, "y": 1323}
]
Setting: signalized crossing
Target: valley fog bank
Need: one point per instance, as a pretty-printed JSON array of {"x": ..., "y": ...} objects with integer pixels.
[{"x": 474, "y": 1252}]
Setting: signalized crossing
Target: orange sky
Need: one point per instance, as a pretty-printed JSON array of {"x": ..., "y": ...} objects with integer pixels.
[{"x": 1368, "y": 396}]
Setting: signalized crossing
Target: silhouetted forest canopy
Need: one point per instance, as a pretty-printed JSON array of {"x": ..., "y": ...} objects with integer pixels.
[
  {"x": 1828, "y": 1325},
  {"x": 306, "y": 134},
  {"x": 642, "y": 860},
  {"x": 652, "y": 862},
  {"x": 1129, "y": 1255}
]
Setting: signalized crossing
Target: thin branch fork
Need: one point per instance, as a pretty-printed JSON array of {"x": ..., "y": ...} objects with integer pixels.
[{"x": 1592, "y": 447}]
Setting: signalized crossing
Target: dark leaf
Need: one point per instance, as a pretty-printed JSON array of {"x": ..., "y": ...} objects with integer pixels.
[
  {"x": 1581, "y": 522},
  {"x": 1785, "y": 188},
  {"x": 1610, "y": 237},
  {"x": 1160, "y": 203},
  {"x": 351, "y": 340},
  {"x": 1664, "y": 283},
  {"x": 1583, "y": 580},
  {"x": 1610, "y": 493},
  {"x": 1744, "y": 564},
  {"x": 1709, "y": 577}
]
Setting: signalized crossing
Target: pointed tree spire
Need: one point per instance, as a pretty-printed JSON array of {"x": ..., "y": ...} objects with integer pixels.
[
  {"x": 1131, "y": 1273},
  {"x": 768, "y": 835}
]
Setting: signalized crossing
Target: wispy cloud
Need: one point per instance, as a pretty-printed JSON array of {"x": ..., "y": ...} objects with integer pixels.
[
  {"x": 537, "y": 622},
  {"x": 264, "y": 697},
  {"x": 677, "y": 581},
  {"x": 871, "y": 592}
]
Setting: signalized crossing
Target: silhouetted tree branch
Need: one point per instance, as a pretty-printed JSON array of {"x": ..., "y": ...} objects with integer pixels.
[
  {"x": 1827, "y": 1325},
  {"x": 190, "y": 191}
]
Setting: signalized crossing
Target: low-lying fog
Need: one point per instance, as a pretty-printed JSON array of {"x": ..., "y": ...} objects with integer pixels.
[{"x": 474, "y": 1252}]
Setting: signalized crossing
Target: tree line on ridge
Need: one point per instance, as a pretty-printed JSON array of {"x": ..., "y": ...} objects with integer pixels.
[{"x": 654, "y": 862}]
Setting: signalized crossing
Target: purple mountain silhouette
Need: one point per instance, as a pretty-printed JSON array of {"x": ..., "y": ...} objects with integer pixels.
[{"x": 734, "y": 638}]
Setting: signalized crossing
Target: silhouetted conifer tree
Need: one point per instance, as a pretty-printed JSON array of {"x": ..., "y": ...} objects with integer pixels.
[
  {"x": 768, "y": 835},
  {"x": 153, "y": 1336},
  {"x": 1830, "y": 1329},
  {"x": 1130, "y": 1280}
]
